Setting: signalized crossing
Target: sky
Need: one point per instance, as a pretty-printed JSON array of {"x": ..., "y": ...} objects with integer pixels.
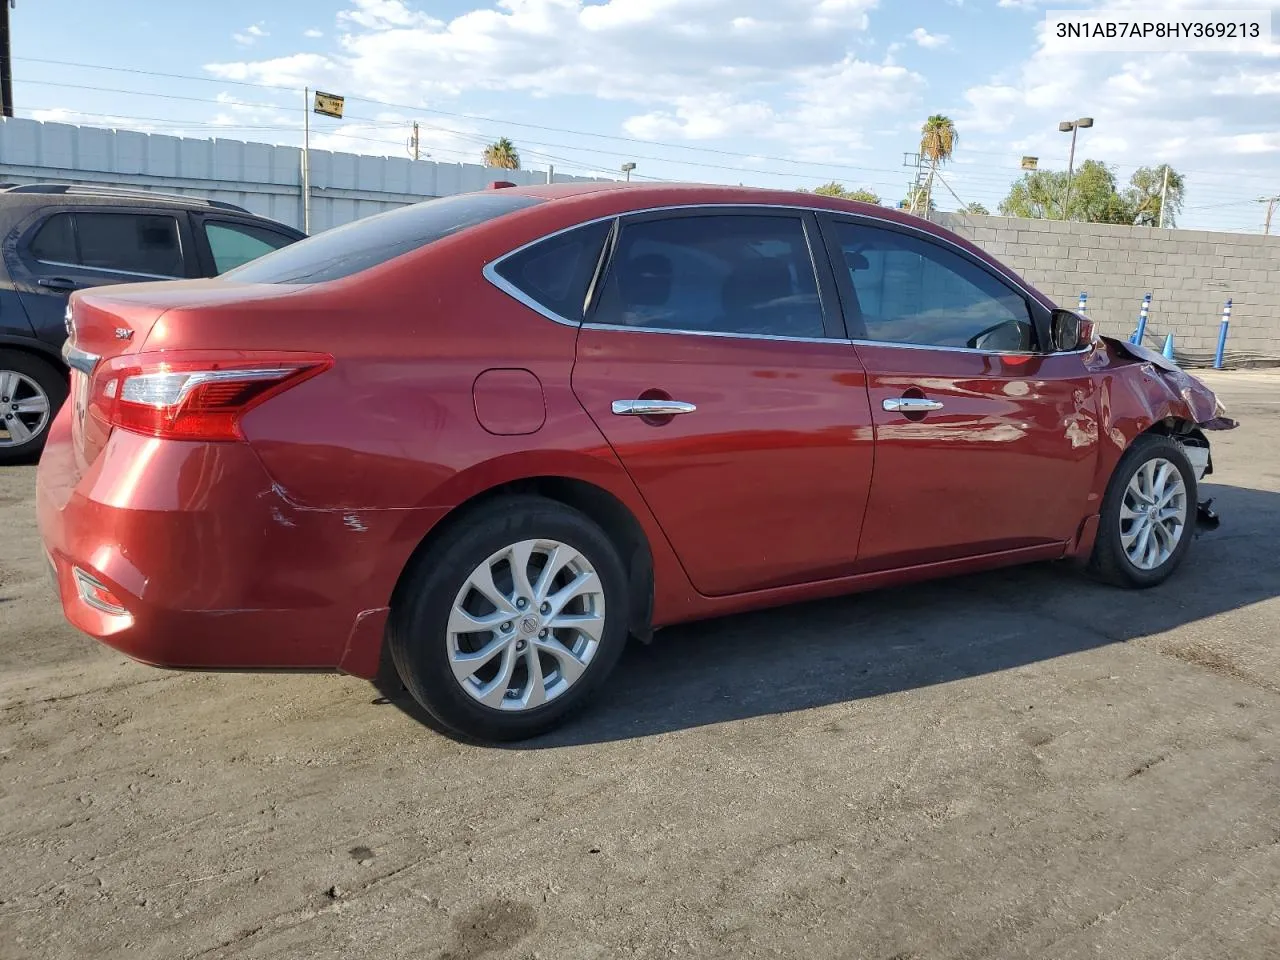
[{"x": 778, "y": 93}]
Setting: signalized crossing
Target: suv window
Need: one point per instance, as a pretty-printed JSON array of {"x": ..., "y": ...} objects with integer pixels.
[
  {"x": 135, "y": 243},
  {"x": 907, "y": 289},
  {"x": 719, "y": 273},
  {"x": 367, "y": 242},
  {"x": 235, "y": 244},
  {"x": 55, "y": 241},
  {"x": 557, "y": 271}
]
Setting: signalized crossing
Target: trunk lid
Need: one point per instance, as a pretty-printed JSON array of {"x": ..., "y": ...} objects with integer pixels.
[{"x": 108, "y": 322}]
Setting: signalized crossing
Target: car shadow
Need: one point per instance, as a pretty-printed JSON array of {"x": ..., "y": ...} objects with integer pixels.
[{"x": 810, "y": 655}]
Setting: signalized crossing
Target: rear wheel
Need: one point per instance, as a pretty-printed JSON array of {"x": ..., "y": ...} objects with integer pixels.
[
  {"x": 1148, "y": 513},
  {"x": 512, "y": 620},
  {"x": 31, "y": 391}
]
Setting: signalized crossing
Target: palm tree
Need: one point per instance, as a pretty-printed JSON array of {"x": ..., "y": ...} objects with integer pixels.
[
  {"x": 502, "y": 153},
  {"x": 938, "y": 141}
]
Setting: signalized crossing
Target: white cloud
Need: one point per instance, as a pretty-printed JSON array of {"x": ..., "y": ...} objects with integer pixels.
[
  {"x": 250, "y": 34},
  {"x": 1213, "y": 119},
  {"x": 313, "y": 34},
  {"x": 928, "y": 40},
  {"x": 699, "y": 69},
  {"x": 1018, "y": 4}
]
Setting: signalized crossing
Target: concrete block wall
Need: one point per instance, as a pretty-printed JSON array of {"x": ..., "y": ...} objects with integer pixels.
[{"x": 1189, "y": 273}]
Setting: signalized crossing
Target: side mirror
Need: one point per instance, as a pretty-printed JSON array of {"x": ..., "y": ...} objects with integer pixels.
[{"x": 1070, "y": 331}]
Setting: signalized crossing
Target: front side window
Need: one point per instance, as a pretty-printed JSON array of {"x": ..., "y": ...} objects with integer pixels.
[
  {"x": 910, "y": 290},
  {"x": 235, "y": 244},
  {"x": 369, "y": 241},
  {"x": 556, "y": 272},
  {"x": 719, "y": 273}
]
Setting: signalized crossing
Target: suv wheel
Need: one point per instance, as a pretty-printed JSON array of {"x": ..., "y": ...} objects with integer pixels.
[{"x": 31, "y": 392}]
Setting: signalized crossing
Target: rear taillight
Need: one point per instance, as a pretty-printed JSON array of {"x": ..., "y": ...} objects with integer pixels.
[{"x": 193, "y": 395}]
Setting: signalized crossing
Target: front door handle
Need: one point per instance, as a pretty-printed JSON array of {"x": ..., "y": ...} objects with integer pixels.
[
  {"x": 651, "y": 408},
  {"x": 911, "y": 405},
  {"x": 57, "y": 283}
]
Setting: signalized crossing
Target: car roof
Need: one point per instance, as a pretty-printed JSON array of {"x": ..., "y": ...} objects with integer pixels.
[
  {"x": 638, "y": 196},
  {"x": 17, "y": 200}
]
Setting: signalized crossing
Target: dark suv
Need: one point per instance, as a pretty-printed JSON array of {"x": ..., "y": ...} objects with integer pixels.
[{"x": 57, "y": 238}]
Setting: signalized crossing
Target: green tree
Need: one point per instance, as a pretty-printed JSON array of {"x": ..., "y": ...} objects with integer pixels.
[
  {"x": 1038, "y": 195},
  {"x": 1143, "y": 195},
  {"x": 976, "y": 209},
  {"x": 1095, "y": 197},
  {"x": 938, "y": 142},
  {"x": 834, "y": 189},
  {"x": 502, "y": 153}
]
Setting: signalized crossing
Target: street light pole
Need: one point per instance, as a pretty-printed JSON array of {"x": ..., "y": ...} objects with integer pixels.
[
  {"x": 1073, "y": 125},
  {"x": 627, "y": 168}
]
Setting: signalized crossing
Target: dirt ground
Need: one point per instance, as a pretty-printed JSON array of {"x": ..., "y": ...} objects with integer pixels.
[{"x": 1023, "y": 764}]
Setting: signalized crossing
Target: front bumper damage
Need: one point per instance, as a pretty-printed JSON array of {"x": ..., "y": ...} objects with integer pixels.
[{"x": 1195, "y": 409}]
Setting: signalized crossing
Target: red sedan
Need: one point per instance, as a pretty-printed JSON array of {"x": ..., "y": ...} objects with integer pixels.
[{"x": 498, "y": 433}]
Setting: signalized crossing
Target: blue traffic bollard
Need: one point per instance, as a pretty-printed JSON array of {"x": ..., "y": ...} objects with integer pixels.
[
  {"x": 1084, "y": 298},
  {"x": 1142, "y": 320},
  {"x": 1222, "y": 336},
  {"x": 1168, "y": 346}
]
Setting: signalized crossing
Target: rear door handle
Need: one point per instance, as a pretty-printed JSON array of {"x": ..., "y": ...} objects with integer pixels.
[
  {"x": 57, "y": 283},
  {"x": 651, "y": 408},
  {"x": 911, "y": 405}
]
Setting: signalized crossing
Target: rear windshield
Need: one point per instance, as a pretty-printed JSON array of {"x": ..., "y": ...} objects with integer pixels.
[{"x": 367, "y": 242}]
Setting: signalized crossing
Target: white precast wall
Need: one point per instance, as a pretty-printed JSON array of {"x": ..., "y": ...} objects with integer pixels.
[{"x": 260, "y": 177}]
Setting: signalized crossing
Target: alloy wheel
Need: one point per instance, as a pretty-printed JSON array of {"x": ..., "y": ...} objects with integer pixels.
[
  {"x": 1153, "y": 514},
  {"x": 525, "y": 625},
  {"x": 24, "y": 408}
]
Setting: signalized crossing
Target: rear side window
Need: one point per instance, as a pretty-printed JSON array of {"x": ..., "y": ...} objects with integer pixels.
[
  {"x": 132, "y": 242},
  {"x": 56, "y": 240},
  {"x": 235, "y": 244},
  {"x": 135, "y": 243},
  {"x": 361, "y": 244},
  {"x": 556, "y": 272}
]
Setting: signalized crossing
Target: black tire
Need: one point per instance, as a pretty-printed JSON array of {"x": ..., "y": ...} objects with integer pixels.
[
  {"x": 419, "y": 638},
  {"x": 51, "y": 381},
  {"x": 1109, "y": 561}
]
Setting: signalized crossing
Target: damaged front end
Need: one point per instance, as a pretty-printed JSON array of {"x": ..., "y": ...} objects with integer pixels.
[{"x": 1154, "y": 391}]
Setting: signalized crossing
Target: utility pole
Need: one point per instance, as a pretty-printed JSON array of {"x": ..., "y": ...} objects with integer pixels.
[
  {"x": 916, "y": 187},
  {"x": 6, "y": 62},
  {"x": 1271, "y": 206},
  {"x": 1164, "y": 192},
  {"x": 415, "y": 143},
  {"x": 306, "y": 159}
]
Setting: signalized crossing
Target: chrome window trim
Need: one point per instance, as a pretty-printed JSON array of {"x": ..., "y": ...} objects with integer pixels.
[
  {"x": 112, "y": 270},
  {"x": 714, "y": 333},
  {"x": 491, "y": 274}
]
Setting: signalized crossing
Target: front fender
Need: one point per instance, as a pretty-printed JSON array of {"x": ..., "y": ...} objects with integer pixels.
[{"x": 1140, "y": 390}]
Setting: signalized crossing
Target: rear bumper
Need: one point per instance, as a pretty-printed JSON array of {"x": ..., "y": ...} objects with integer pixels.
[{"x": 212, "y": 565}]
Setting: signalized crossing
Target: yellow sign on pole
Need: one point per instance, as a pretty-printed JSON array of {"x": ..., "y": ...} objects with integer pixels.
[
  {"x": 1030, "y": 163},
  {"x": 328, "y": 104}
]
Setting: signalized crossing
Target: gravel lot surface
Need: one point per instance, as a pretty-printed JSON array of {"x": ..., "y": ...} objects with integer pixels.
[{"x": 1023, "y": 764}]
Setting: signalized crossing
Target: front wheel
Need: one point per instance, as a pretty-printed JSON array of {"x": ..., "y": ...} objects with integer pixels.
[
  {"x": 512, "y": 620},
  {"x": 1148, "y": 514}
]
